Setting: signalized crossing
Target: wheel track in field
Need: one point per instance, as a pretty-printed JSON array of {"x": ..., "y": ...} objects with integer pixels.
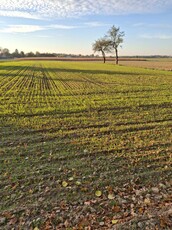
[
  {"x": 25, "y": 92},
  {"x": 47, "y": 87},
  {"x": 22, "y": 84},
  {"x": 33, "y": 88},
  {"x": 88, "y": 132},
  {"x": 52, "y": 87},
  {"x": 25, "y": 80},
  {"x": 146, "y": 155},
  {"x": 59, "y": 87},
  {"x": 94, "y": 82},
  {"x": 71, "y": 84},
  {"x": 69, "y": 87},
  {"x": 34, "y": 85},
  {"x": 74, "y": 128},
  {"x": 34, "y": 95}
]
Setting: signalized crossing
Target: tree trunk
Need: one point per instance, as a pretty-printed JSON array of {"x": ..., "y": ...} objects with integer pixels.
[
  {"x": 104, "y": 57},
  {"x": 116, "y": 52}
]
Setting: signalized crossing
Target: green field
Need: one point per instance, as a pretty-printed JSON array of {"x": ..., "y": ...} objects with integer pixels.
[{"x": 69, "y": 129}]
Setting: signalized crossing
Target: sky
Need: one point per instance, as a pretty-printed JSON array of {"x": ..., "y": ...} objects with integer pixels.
[{"x": 72, "y": 26}]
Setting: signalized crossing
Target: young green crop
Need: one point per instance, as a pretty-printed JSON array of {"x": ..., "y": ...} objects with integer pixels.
[{"x": 102, "y": 125}]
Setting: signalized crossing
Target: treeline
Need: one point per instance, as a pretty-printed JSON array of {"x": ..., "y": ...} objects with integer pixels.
[{"x": 5, "y": 53}]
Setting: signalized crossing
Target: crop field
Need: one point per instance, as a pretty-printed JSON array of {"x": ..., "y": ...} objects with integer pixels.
[
  {"x": 84, "y": 146},
  {"x": 151, "y": 63}
]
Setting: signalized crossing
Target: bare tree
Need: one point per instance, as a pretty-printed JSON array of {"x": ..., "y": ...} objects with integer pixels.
[
  {"x": 102, "y": 45},
  {"x": 115, "y": 38}
]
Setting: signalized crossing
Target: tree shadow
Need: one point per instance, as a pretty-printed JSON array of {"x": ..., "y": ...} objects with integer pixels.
[{"x": 71, "y": 70}]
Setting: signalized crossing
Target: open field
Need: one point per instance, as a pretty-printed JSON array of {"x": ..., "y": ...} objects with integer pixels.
[
  {"x": 84, "y": 144},
  {"x": 154, "y": 63},
  {"x": 80, "y": 59}
]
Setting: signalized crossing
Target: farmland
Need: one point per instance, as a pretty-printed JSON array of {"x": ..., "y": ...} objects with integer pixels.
[
  {"x": 151, "y": 63},
  {"x": 84, "y": 144}
]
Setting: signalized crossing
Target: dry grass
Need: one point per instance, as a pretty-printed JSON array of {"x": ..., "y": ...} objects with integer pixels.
[{"x": 163, "y": 64}]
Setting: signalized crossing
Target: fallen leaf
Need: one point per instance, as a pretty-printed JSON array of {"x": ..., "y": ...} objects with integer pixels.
[
  {"x": 78, "y": 183},
  {"x": 114, "y": 221},
  {"x": 147, "y": 201},
  {"x": 141, "y": 210},
  {"x": 64, "y": 184},
  {"x": 66, "y": 224},
  {"x": 36, "y": 228},
  {"x": 70, "y": 178},
  {"x": 98, "y": 193},
  {"x": 30, "y": 191},
  {"x": 13, "y": 221},
  {"x": 101, "y": 223},
  {"x": 14, "y": 187},
  {"x": 116, "y": 209},
  {"x": 87, "y": 202},
  {"x": 111, "y": 196}
]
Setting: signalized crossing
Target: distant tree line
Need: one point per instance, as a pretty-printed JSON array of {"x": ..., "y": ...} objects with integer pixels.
[
  {"x": 100, "y": 45},
  {"x": 5, "y": 53}
]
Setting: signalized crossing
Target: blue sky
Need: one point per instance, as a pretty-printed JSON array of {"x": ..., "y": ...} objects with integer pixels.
[{"x": 71, "y": 26}]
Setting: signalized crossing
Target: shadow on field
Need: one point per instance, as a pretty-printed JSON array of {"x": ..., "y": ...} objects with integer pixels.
[
  {"x": 79, "y": 71},
  {"x": 116, "y": 110},
  {"x": 8, "y": 74}
]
